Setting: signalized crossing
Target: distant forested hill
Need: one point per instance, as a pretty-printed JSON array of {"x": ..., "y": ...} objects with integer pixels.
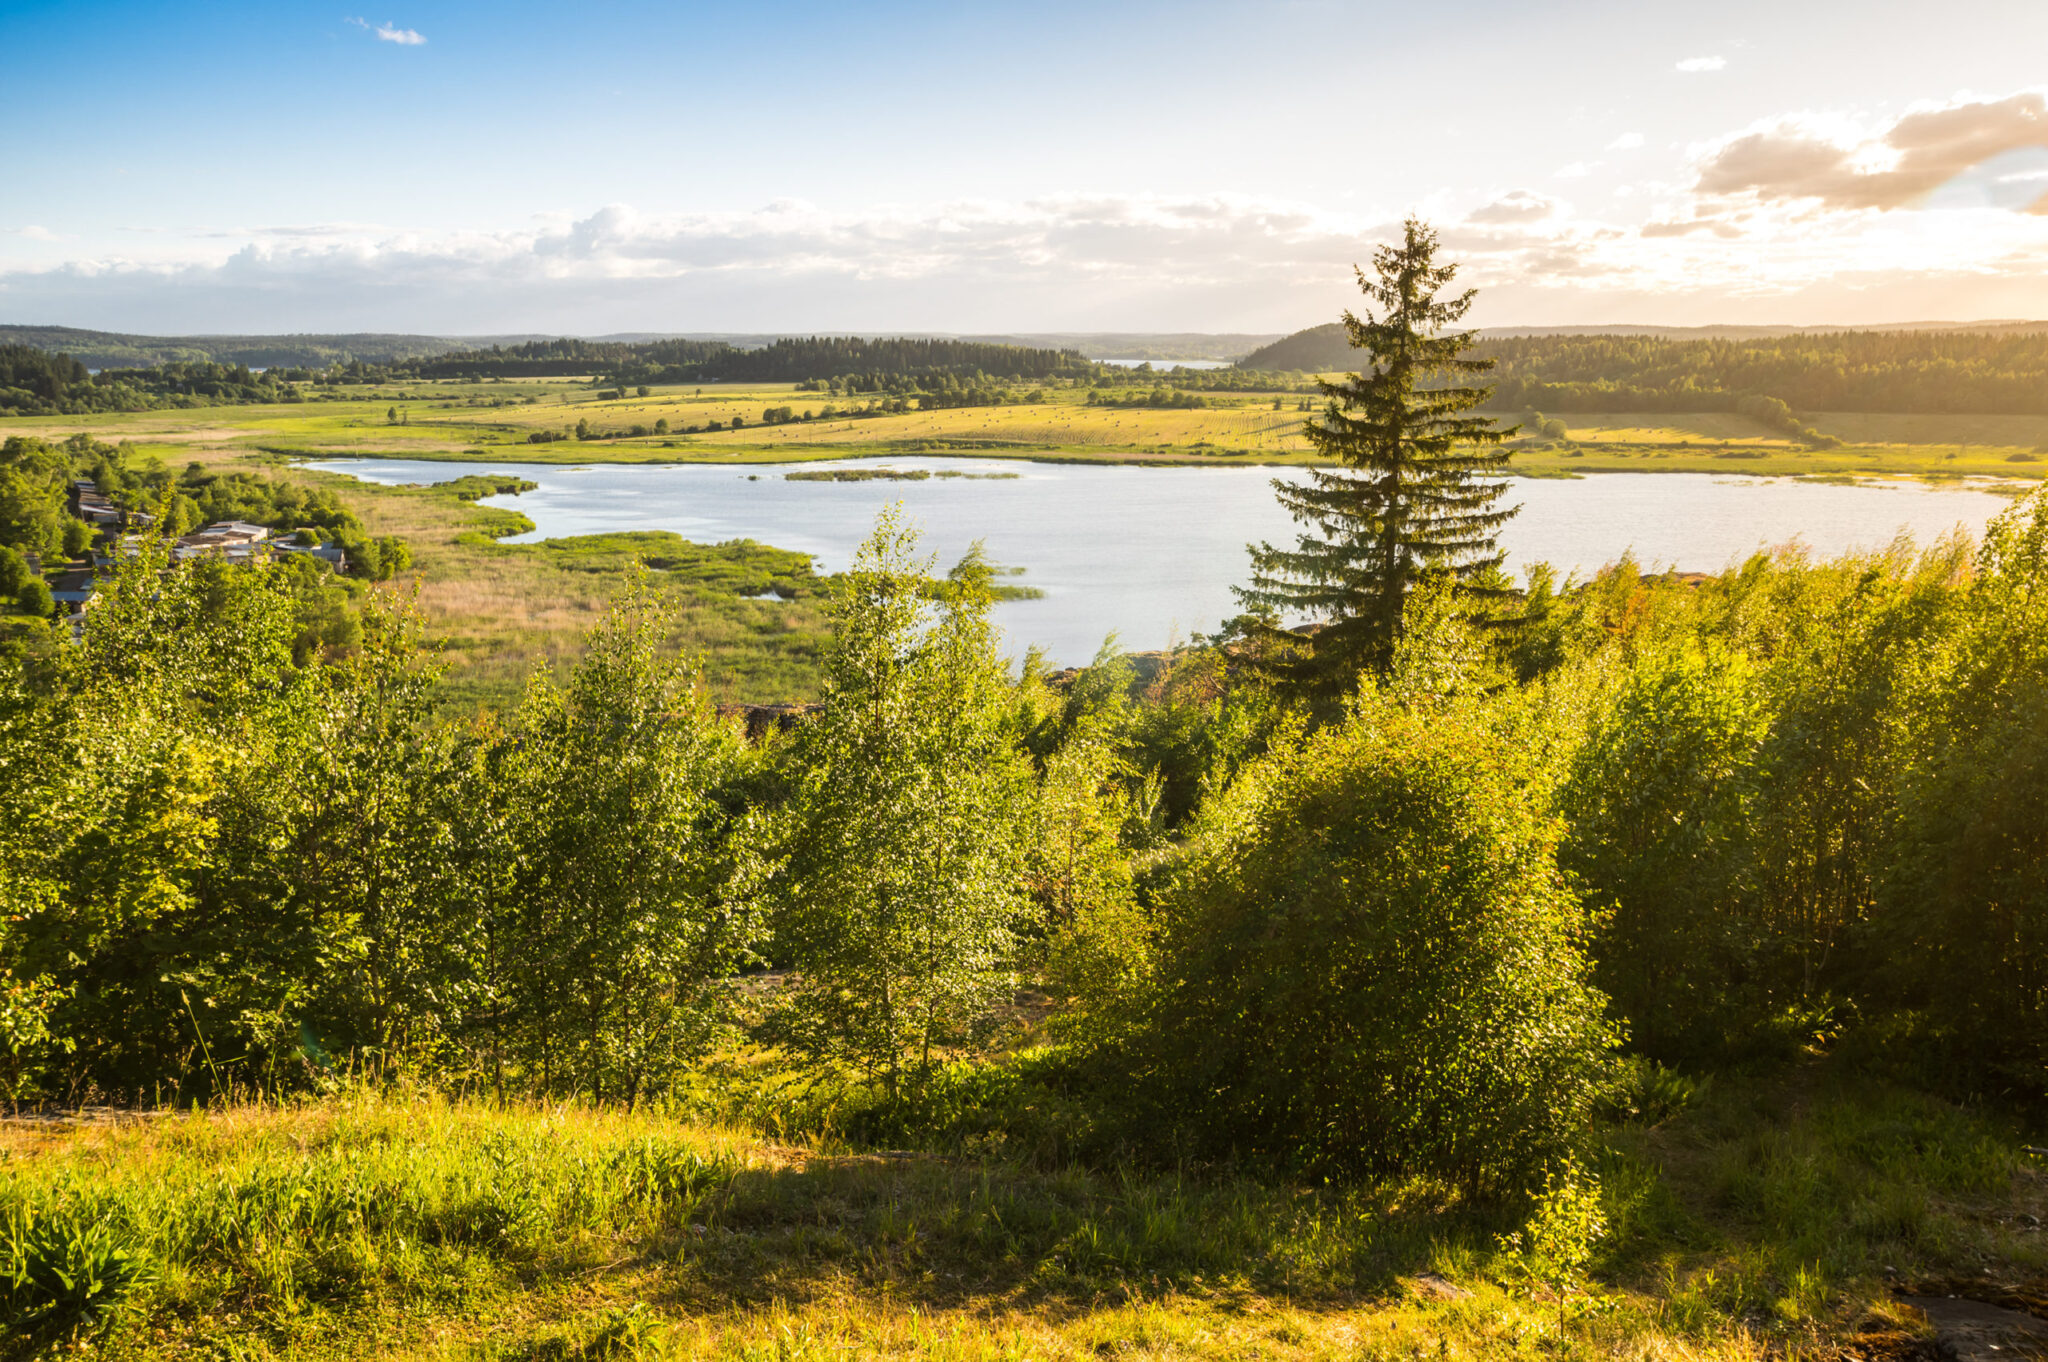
[
  {"x": 789, "y": 359},
  {"x": 1320, "y": 349},
  {"x": 116, "y": 350},
  {"x": 2002, "y": 371},
  {"x": 37, "y": 382}
]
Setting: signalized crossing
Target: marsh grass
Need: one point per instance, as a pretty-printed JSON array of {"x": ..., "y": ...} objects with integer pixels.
[{"x": 1771, "y": 1217}]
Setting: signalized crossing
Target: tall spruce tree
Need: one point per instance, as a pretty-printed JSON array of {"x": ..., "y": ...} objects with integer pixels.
[{"x": 1417, "y": 482}]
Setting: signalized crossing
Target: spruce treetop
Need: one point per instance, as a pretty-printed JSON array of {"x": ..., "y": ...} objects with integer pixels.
[{"x": 1416, "y": 480}]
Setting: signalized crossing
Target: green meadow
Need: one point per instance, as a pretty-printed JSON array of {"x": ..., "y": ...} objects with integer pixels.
[
  {"x": 495, "y": 422},
  {"x": 1766, "y": 1218}
]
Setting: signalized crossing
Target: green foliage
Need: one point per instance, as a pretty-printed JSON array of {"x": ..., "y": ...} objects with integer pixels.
[
  {"x": 1370, "y": 963},
  {"x": 60, "y": 1273},
  {"x": 1967, "y": 885},
  {"x": 1891, "y": 371},
  {"x": 34, "y": 477},
  {"x": 35, "y": 382},
  {"x": 1556, "y": 1246},
  {"x": 26, "y": 1041},
  {"x": 899, "y": 886},
  {"x": 1654, "y": 802},
  {"x": 14, "y": 573},
  {"x": 1415, "y": 490},
  {"x": 629, "y": 883}
]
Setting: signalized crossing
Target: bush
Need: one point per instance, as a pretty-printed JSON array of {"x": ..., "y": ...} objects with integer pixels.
[
  {"x": 1370, "y": 965},
  {"x": 35, "y": 598},
  {"x": 1967, "y": 890},
  {"x": 1655, "y": 802}
]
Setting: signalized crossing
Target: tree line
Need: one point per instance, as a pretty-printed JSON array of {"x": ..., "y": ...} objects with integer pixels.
[
  {"x": 789, "y": 359},
  {"x": 1873, "y": 371},
  {"x": 119, "y": 350},
  {"x": 42, "y": 383}
]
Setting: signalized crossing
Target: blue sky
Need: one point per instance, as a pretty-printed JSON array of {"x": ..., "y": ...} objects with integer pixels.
[{"x": 460, "y": 167}]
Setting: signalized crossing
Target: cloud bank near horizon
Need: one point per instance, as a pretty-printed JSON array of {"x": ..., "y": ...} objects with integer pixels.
[{"x": 1939, "y": 212}]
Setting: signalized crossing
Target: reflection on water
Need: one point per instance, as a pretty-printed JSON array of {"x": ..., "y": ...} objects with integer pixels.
[{"x": 1151, "y": 553}]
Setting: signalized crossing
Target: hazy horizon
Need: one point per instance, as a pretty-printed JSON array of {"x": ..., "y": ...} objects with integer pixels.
[{"x": 459, "y": 169}]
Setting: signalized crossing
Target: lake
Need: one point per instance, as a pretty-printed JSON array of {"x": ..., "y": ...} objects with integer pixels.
[{"x": 1152, "y": 552}]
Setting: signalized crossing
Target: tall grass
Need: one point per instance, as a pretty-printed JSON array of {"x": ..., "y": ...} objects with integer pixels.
[{"x": 1769, "y": 1217}]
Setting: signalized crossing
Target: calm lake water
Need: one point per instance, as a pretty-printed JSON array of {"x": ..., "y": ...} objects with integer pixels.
[{"x": 1151, "y": 553}]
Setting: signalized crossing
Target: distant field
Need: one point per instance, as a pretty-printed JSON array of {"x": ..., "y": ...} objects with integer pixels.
[{"x": 492, "y": 422}]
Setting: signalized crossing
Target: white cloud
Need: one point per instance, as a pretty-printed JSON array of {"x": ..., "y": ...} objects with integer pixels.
[
  {"x": 386, "y": 32},
  {"x": 1577, "y": 170},
  {"x": 1808, "y": 207},
  {"x": 1840, "y": 165},
  {"x": 35, "y": 233},
  {"x": 1628, "y": 141},
  {"x": 967, "y": 265},
  {"x": 1694, "y": 64},
  {"x": 1520, "y": 206}
]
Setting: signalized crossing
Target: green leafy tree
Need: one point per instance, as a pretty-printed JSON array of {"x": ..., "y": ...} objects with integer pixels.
[
  {"x": 1658, "y": 805},
  {"x": 900, "y": 884},
  {"x": 1369, "y": 964},
  {"x": 632, "y": 892},
  {"x": 1417, "y": 480},
  {"x": 14, "y": 573},
  {"x": 33, "y": 476},
  {"x": 361, "y": 827},
  {"x": 175, "y": 723},
  {"x": 1966, "y": 882}
]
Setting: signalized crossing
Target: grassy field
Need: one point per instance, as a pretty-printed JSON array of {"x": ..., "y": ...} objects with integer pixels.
[
  {"x": 1772, "y": 1217},
  {"x": 492, "y": 422}
]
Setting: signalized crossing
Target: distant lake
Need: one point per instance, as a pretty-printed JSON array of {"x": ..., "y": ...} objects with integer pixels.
[
  {"x": 1152, "y": 552},
  {"x": 1164, "y": 364}
]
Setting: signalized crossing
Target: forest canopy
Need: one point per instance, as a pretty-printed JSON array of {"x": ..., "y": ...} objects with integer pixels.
[
  {"x": 1872, "y": 371},
  {"x": 787, "y": 360},
  {"x": 37, "y": 382}
]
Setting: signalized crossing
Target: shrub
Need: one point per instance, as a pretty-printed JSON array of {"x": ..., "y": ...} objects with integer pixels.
[
  {"x": 1370, "y": 965},
  {"x": 1655, "y": 803},
  {"x": 1968, "y": 884}
]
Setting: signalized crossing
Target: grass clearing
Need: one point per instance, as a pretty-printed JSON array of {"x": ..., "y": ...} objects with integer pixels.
[{"x": 1773, "y": 1218}]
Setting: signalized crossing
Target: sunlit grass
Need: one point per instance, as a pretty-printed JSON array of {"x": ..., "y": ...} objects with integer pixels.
[{"x": 1769, "y": 1219}]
